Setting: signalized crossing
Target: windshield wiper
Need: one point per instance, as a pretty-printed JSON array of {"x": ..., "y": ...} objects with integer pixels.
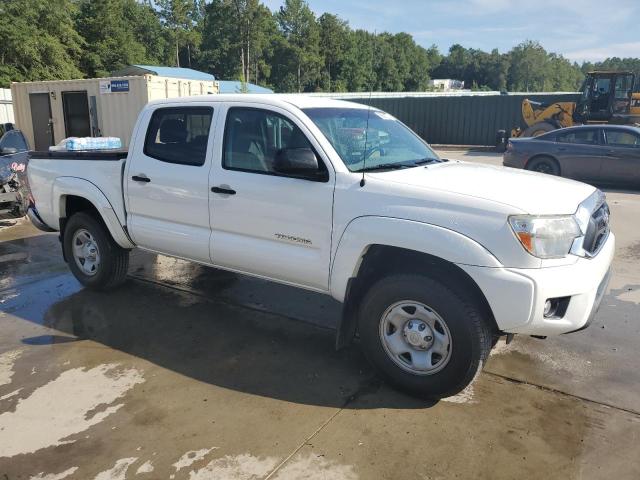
[
  {"x": 424, "y": 161},
  {"x": 386, "y": 166}
]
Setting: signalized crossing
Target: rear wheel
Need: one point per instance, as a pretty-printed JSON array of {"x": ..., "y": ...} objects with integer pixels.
[
  {"x": 538, "y": 129},
  {"x": 422, "y": 335},
  {"x": 94, "y": 258},
  {"x": 546, "y": 165}
]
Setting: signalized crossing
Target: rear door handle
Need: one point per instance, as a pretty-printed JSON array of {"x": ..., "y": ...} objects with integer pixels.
[
  {"x": 223, "y": 190},
  {"x": 141, "y": 178}
]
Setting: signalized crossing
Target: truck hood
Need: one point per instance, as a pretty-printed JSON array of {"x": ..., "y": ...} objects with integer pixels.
[{"x": 530, "y": 192}]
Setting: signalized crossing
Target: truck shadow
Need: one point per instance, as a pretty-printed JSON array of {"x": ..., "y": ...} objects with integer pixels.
[{"x": 225, "y": 345}]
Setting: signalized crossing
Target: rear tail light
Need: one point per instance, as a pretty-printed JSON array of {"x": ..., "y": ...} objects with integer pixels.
[{"x": 509, "y": 146}]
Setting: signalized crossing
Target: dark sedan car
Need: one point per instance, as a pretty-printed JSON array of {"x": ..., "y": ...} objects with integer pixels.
[{"x": 604, "y": 154}]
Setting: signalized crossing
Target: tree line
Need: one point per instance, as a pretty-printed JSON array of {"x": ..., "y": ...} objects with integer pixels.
[{"x": 289, "y": 50}]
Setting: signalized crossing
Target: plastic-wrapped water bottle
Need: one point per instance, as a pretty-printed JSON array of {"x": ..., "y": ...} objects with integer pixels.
[{"x": 93, "y": 143}]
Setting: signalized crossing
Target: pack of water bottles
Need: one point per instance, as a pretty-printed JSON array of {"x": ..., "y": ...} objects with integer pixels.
[{"x": 88, "y": 143}]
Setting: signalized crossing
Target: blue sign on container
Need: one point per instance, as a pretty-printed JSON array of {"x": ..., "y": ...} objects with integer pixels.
[{"x": 119, "y": 86}]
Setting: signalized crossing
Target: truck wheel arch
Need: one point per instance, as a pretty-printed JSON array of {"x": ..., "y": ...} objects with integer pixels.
[
  {"x": 74, "y": 194},
  {"x": 399, "y": 254}
]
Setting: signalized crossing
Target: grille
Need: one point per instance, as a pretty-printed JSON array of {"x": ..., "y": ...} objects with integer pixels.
[{"x": 597, "y": 231}]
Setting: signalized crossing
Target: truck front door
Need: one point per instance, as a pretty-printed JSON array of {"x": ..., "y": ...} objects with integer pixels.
[
  {"x": 264, "y": 222},
  {"x": 167, "y": 182}
]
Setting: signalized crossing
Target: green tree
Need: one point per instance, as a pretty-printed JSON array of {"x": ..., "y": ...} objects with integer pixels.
[
  {"x": 118, "y": 33},
  {"x": 237, "y": 37},
  {"x": 358, "y": 72},
  {"x": 528, "y": 69},
  {"x": 300, "y": 29},
  {"x": 334, "y": 42},
  {"x": 38, "y": 41},
  {"x": 181, "y": 18}
]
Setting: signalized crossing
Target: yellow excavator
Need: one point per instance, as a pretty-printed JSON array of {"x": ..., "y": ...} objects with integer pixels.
[{"x": 607, "y": 97}]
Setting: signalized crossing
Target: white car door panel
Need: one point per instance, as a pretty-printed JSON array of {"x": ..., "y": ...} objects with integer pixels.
[
  {"x": 273, "y": 226},
  {"x": 167, "y": 183}
]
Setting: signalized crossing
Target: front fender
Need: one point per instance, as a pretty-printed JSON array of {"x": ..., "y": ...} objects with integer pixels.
[
  {"x": 66, "y": 186},
  {"x": 363, "y": 232}
]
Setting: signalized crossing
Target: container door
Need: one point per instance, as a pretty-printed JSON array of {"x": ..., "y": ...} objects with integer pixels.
[
  {"x": 41, "y": 120},
  {"x": 77, "y": 122}
]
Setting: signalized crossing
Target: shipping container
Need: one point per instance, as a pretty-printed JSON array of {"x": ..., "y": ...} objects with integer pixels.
[
  {"x": 458, "y": 118},
  {"x": 6, "y": 109},
  {"x": 50, "y": 111}
]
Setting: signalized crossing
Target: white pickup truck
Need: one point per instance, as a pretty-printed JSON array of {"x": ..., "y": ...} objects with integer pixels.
[{"x": 432, "y": 259}]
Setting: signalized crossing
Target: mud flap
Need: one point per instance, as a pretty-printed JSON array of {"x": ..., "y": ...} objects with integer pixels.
[{"x": 349, "y": 320}]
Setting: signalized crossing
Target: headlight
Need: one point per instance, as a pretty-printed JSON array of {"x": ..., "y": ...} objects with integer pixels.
[{"x": 546, "y": 237}]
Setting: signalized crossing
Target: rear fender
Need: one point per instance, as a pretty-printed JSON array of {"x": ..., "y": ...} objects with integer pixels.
[{"x": 64, "y": 187}]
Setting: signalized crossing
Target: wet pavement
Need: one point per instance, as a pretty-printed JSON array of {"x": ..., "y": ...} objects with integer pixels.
[{"x": 190, "y": 372}]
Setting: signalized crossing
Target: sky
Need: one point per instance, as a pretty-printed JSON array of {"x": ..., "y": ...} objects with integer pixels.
[{"x": 580, "y": 30}]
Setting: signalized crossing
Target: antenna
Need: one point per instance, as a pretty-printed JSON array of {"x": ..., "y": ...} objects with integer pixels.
[{"x": 366, "y": 131}]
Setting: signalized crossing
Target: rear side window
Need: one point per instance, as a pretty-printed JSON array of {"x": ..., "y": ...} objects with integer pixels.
[
  {"x": 620, "y": 138},
  {"x": 583, "y": 137},
  {"x": 179, "y": 135}
]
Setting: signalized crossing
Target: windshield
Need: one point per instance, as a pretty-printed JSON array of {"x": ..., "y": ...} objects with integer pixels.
[{"x": 385, "y": 144}]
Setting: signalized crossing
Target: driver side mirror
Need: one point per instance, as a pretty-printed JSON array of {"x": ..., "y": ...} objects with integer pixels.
[
  {"x": 298, "y": 162},
  {"x": 8, "y": 151}
]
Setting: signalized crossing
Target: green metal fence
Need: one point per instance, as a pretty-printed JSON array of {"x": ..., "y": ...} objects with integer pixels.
[{"x": 461, "y": 120}]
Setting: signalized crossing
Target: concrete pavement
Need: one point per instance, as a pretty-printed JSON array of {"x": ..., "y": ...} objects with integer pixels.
[{"x": 189, "y": 372}]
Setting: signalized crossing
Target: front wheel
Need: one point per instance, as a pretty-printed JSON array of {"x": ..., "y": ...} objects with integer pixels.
[
  {"x": 422, "y": 335},
  {"x": 94, "y": 258}
]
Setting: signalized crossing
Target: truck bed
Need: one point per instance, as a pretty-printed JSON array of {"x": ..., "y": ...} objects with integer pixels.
[{"x": 56, "y": 173}]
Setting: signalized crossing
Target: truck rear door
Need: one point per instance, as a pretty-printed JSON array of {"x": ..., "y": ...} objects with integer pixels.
[
  {"x": 264, "y": 222},
  {"x": 167, "y": 181}
]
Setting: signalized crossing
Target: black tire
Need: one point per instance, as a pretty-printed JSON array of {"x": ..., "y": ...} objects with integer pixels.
[
  {"x": 538, "y": 129},
  {"x": 468, "y": 326},
  {"x": 114, "y": 260},
  {"x": 545, "y": 164}
]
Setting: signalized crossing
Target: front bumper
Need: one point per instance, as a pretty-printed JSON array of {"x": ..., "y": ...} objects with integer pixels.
[{"x": 517, "y": 296}]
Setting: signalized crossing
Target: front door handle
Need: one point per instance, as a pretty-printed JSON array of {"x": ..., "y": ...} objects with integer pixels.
[
  {"x": 223, "y": 190},
  {"x": 140, "y": 178}
]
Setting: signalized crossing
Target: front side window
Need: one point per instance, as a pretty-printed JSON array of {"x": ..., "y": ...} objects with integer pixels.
[
  {"x": 583, "y": 137},
  {"x": 254, "y": 138},
  {"x": 369, "y": 139},
  {"x": 621, "y": 138},
  {"x": 179, "y": 135}
]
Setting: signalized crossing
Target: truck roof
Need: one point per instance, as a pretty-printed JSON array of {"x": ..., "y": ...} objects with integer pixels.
[{"x": 297, "y": 100}]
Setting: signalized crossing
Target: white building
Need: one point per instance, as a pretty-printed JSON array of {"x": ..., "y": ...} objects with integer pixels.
[
  {"x": 6, "y": 109},
  {"x": 446, "y": 84}
]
